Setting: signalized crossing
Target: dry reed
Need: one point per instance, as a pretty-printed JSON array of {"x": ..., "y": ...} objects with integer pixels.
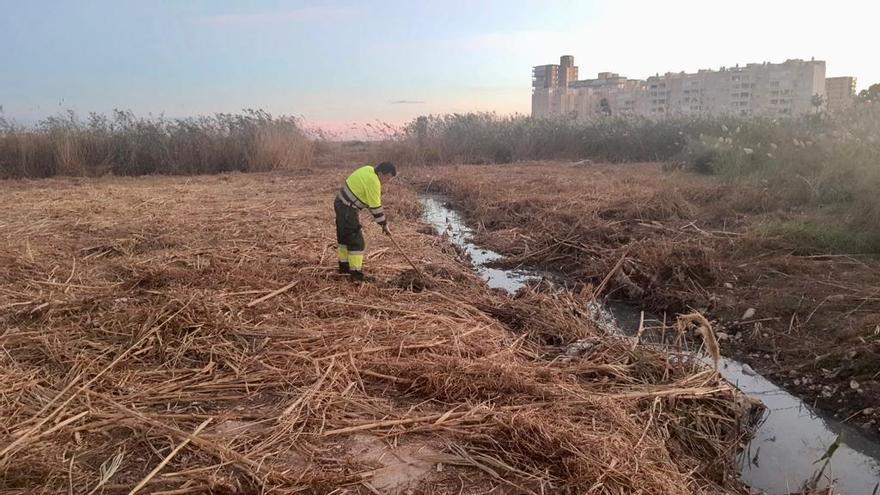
[
  {"x": 673, "y": 243},
  {"x": 123, "y": 144},
  {"x": 132, "y": 360}
]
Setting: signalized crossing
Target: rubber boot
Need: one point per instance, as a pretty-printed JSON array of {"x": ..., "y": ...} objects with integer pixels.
[
  {"x": 358, "y": 277},
  {"x": 343, "y": 267}
]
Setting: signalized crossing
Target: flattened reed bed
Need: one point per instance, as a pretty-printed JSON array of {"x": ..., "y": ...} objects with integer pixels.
[
  {"x": 131, "y": 358},
  {"x": 674, "y": 243}
]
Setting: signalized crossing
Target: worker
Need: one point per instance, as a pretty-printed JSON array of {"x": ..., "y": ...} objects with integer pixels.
[{"x": 362, "y": 189}]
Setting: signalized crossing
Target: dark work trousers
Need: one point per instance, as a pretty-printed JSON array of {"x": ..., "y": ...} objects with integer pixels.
[{"x": 348, "y": 227}]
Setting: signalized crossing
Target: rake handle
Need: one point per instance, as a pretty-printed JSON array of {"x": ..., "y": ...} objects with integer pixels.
[{"x": 401, "y": 251}]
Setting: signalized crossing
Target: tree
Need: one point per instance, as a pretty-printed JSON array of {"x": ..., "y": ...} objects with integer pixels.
[
  {"x": 604, "y": 106},
  {"x": 870, "y": 94},
  {"x": 818, "y": 101}
]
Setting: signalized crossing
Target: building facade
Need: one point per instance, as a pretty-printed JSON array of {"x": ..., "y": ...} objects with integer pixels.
[
  {"x": 794, "y": 87},
  {"x": 549, "y": 84},
  {"x": 840, "y": 92}
]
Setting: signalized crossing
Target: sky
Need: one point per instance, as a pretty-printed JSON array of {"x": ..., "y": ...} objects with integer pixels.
[{"x": 346, "y": 63}]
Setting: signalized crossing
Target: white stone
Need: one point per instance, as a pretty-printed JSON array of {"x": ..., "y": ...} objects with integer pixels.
[{"x": 749, "y": 314}]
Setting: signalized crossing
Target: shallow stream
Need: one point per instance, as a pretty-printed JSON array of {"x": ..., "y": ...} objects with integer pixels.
[{"x": 792, "y": 437}]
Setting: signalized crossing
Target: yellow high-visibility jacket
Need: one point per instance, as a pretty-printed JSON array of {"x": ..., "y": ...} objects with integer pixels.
[{"x": 363, "y": 189}]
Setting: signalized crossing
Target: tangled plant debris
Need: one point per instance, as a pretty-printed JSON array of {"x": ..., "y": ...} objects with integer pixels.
[
  {"x": 675, "y": 243},
  {"x": 133, "y": 358}
]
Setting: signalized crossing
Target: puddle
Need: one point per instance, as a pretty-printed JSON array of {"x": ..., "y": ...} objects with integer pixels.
[{"x": 786, "y": 445}]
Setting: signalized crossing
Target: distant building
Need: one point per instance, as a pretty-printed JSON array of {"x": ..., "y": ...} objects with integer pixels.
[
  {"x": 550, "y": 82},
  {"x": 793, "y": 87},
  {"x": 840, "y": 92}
]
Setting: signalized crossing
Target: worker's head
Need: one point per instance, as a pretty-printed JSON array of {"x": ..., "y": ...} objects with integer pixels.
[{"x": 386, "y": 171}]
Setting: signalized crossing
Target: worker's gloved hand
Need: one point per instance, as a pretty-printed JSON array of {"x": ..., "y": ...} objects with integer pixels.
[{"x": 385, "y": 229}]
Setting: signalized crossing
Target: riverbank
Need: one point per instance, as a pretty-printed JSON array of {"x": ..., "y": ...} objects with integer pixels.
[
  {"x": 787, "y": 439},
  {"x": 787, "y": 304}
]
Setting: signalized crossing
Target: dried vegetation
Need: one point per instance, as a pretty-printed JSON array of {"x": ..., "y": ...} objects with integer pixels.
[
  {"x": 124, "y": 144},
  {"x": 675, "y": 243},
  {"x": 141, "y": 352}
]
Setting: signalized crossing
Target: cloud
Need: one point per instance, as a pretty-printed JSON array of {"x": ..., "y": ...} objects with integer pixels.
[
  {"x": 408, "y": 102},
  {"x": 277, "y": 17}
]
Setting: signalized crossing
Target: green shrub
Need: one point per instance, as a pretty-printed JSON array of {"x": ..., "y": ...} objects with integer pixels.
[{"x": 813, "y": 237}]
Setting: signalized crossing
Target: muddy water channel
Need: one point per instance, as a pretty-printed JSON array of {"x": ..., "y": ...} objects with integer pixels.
[{"x": 792, "y": 436}]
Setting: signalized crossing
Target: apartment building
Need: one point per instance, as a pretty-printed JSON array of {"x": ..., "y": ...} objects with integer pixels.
[
  {"x": 549, "y": 83},
  {"x": 840, "y": 92},
  {"x": 794, "y": 87},
  {"x": 609, "y": 93}
]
